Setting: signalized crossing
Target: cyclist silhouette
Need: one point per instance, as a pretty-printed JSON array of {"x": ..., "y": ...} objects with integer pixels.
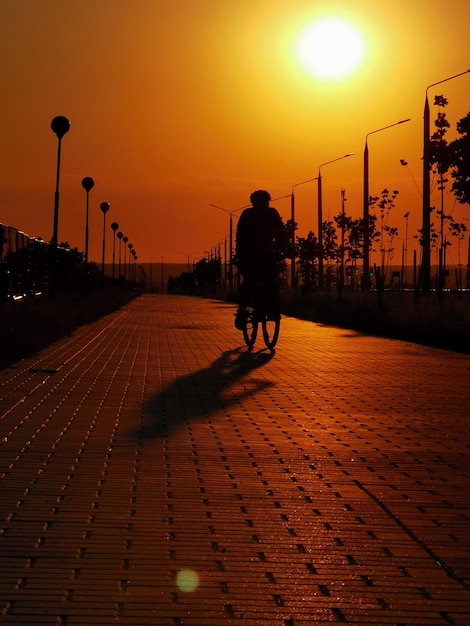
[{"x": 261, "y": 242}]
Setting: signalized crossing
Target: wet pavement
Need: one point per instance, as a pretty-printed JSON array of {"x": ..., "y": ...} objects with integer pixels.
[{"x": 153, "y": 471}]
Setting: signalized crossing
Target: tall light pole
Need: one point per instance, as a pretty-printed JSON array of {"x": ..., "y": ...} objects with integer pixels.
[
  {"x": 134, "y": 266},
  {"x": 341, "y": 268},
  {"x": 320, "y": 216},
  {"x": 292, "y": 218},
  {"x": 188, "y": 256},
  {"x": 230, "y": 244},
  {"x": 405, "y": 252},
  {"x": 365, "y": 283},
  {"x": 120, "y": 235},
  {"x": 125, "y": 240},
  {"x": 114, "y": 227},
  {"x": 60, "y": 125},
  {"x": 425, "y": 278},
  {"x": 87, "y": 183},
  {"x": 104, "y": 206},
  {"x": 129, "y": 271}
]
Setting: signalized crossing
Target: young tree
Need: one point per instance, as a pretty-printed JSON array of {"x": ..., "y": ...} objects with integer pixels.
[
  {"x": 331, "y": 250},
  {"x": 439, "y": 148},
  {"x": 440, "y": 158},
  {"x": 458, "y": 230},
  {"x": 291, "y": 228},
  {"x": 386, "y": 233},
  {"x": 355, "y": 236},
  {"x": 307, "y": 253},
  {"x": 343, "y": 223},
  {"x": 70, "y": 268},
  {"x": 460, "y": 161}
]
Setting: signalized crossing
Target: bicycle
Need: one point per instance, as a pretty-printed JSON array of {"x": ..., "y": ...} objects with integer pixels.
[{"x": 262, "y": 310}]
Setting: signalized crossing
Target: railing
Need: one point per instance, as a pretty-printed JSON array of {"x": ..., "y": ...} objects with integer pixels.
[{"x": 25, "y": 265}]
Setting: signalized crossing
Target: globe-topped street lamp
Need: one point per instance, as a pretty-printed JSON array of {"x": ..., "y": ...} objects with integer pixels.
[
  {"x": 125, "y": 240},
  {"x": 114, "y": 227},
  {"x": 120, "y": 235},
  {"x": 104, "y": 206},
  {"x": 130, "y": 246},
  {"x": 60, "y": 125},
  {"x": 87, "y": 183}
]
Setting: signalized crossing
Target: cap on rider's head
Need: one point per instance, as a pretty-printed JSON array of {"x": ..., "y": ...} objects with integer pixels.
[{"x": 260, "y": 198}]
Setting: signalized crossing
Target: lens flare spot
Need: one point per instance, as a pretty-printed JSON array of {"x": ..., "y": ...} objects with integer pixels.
[{"x": 187, "y": 580}]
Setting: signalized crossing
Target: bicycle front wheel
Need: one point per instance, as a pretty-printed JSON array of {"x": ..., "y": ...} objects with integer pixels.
[
  {"x": 250, "y": 328},
  {"x": 271, "y": 330}
]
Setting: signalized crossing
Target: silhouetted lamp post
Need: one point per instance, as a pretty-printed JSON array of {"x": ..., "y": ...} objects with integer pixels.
[
  {"x": 341, "y": 267},
  {"x": 365, "y": 283},
  {"x": 60, "y": 125},
  {"x": 134, "y": 260},
  {"x": 320, "y": 216},
  {"x": 292, "y": 218},
  {"x": 129, "y": 273},
  {"x": 188, "y": 255},
  {"x": 87, "y": 184},
  {"x": 114, "y": 227},
  {"x": 104, "y": 206},
  {"x": 125, "y": 240},
  {"x": 425, "y": 278},
  {"x": 120, "y": 235},
  {"x": 230, "y": 244}
]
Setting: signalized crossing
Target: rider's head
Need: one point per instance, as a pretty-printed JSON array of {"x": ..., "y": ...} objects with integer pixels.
[{"x": 260, "y": 198}]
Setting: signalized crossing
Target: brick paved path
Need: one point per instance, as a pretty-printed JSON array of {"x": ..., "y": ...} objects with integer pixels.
[{"x": 154, "y": 472}]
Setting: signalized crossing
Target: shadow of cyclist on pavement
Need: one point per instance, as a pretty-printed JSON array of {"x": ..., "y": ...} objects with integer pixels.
[{"x": 224, "y": 383}]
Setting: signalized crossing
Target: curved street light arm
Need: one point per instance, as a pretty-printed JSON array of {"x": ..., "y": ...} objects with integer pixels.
[
  {"x": 320, "y": 215},
  {"x": 445, "y": 80},
  {"x": 334, "y": 160},
  {"x": 389, "y": 126},
  {"x": 309, "y": 180},
  {"x": 215, "y": 206},
  {"x": 230, "y": 253},
  {"x": 278, "y": 198},
  {"x": 365, "y": 280}
]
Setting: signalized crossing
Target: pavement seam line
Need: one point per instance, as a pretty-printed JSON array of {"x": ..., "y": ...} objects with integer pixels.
[{"x": 448, "y": 570}]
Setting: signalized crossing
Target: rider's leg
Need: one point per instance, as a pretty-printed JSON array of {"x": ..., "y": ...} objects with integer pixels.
[
  {"x": 248, "y": 285},
  {"x": 243, "y": 295},
  {"x": 273, "y": 304},
  {"x": 243, "y": 300}
]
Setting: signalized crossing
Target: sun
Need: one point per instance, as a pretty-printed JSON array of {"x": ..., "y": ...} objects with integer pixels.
[{"x": 331, "y": 48}]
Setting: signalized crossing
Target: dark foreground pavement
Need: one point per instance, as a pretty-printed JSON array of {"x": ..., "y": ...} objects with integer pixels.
[{"x": 154, "y": 472}]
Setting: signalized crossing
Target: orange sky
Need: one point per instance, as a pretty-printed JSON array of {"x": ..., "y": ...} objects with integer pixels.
[{"x": 176, "y": 105}]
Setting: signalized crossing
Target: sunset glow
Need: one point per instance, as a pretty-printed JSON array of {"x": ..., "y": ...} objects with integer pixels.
[
  {"x": 175, "y": 106},
  {"x": 331, "y": 48}
]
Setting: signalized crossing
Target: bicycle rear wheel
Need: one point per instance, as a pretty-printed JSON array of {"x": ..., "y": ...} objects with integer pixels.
[
  {"x": 250, "y": 328},
  {"x": 271, "y": 330}
]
